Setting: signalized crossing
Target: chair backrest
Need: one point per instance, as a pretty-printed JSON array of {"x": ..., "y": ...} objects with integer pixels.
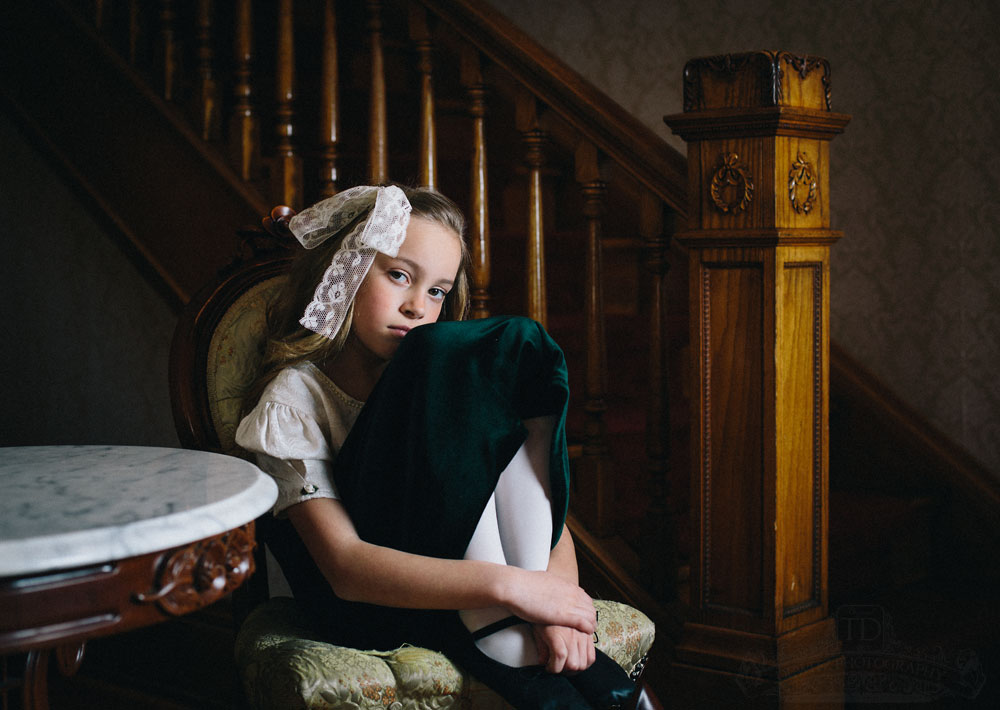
[{"x": 216, "y": 351}]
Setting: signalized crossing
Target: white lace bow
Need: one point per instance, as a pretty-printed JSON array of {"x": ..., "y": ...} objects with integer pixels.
[{"x": 383, "y": 231}]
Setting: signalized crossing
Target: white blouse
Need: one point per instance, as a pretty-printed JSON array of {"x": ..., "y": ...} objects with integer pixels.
[{"x": 296, "y": 430}]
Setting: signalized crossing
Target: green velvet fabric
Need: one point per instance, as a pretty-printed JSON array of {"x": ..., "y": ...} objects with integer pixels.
[
  {"x": 444, "y": 420},
  {"x": 424, "y": 457}
]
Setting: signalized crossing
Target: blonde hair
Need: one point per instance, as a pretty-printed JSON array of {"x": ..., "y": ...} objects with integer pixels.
[{"x": 288, "y": 343}]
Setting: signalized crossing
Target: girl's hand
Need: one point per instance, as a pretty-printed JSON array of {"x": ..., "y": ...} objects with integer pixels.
[
  {"x": 546, "y": 598},
  {"x": 562, "y": 649}
]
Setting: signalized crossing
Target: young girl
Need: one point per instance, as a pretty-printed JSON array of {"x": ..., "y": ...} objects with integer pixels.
[{"x": 422, "y": 465}]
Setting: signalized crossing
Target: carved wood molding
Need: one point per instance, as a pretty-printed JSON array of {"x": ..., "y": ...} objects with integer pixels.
[
  {"x": 804, "y": 65},
  {"x": 763, "y": 68},
  {"x": 68, "y": 606},
  {"x": 706, "y": 414},
  {"x": 732, "y": 186},
  {"x": 728, "y": 65},
  {"x": 201, "y": 573},
  {"x": 802, "y": 175}
]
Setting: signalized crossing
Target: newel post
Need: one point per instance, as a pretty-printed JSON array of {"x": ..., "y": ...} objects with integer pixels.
[{"x": 758, "y": 128}]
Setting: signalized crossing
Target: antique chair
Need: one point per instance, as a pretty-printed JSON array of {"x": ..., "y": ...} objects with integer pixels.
[{"x": 281, "y": 662}]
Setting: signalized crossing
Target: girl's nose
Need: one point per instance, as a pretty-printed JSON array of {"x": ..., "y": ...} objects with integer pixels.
[{"x": 413, "y": 307}]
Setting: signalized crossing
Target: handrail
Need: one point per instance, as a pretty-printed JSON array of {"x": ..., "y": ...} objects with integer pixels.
[{"x": 649, "y": 158}]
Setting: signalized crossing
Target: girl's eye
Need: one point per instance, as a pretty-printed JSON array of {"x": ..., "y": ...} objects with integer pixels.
[
  {"x": 397, "y": 276},
  {"x": 437, "y": 294}
]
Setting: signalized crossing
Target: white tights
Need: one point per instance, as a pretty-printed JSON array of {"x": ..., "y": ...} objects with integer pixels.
[{"x": 515, "y": 529}]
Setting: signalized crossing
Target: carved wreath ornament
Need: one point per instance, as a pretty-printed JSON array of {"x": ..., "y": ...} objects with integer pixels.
[
  {"x": 802, "y": 178},
  {"x": 732, "y": 188}
]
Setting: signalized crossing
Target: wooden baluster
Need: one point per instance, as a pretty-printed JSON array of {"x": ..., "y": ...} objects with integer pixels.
[
  {"x": 421, "y": 36},
  {"x": 169, "y": 52},
  {"x": 134, "y": 31},
  {"x": 100, "y": 14},
  {"x": 526, "y": 121},
  {"x": 329, "y": 120},
  {"x": 596, "y": 465},
  {"x": 207, "y": 94},
  {"x": 287, "y": 175},
  {"x": 479, "y": 213},
  {"x": 378, "y": 141},
  {"x": 244, "y": 127},
  {"x": 658, "y": 542}
]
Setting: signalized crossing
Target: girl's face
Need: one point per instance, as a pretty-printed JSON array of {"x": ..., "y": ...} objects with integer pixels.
[{"x": 406, "y": 291}]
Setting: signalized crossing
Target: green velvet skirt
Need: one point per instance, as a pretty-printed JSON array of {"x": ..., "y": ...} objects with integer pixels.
[{"x": 424, "y": 456}]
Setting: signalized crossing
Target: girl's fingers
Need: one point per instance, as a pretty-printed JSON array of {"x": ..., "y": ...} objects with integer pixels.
[{"x": 545, "y": 598}]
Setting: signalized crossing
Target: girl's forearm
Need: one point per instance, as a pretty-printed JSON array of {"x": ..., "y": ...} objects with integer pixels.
[
  {"x": 360, "y": 571},
  {"x": 562, "y": 559},
  {"x": 381, "y": 575}
]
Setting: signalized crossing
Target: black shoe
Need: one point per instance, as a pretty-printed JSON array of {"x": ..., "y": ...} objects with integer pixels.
[
  {"x": 644, "y": 699},
  {"x": 604, "y": 684},
  {"x": 528, "y": 688}
]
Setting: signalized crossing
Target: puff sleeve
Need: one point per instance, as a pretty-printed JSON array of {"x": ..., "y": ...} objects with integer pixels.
[
  {"x": 292, "y": 449},
  {"x": 295, "y": 431}
]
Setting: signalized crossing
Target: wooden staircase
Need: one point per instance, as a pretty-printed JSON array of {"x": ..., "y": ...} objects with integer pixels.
[{"x": 136, "y": 111}]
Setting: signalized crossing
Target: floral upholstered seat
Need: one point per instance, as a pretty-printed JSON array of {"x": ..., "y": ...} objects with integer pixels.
[
  {"x": 281, "y": 661},
  {"x": 283, "y": 665}
]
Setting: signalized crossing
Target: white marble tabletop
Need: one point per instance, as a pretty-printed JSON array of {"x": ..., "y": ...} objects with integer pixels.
[{"x": 67, "y": 506}]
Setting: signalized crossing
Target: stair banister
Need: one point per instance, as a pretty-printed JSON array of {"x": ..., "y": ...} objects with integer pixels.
[
  {"x": 479, "y": 208},
  {"x": 244, "y": 123},
  {"x": 556, "y": 111},
  {"x": 659, "y": 546},
  {"x": 206, "y": 99},
  {"x": 421, "y": 37},
  {"x": 378, "y": 135},
  {"x": 596, "y": 464},
  {"x": 535, "y": 140},
  {"x": 620, "y": 135},
  {"x": 329, "y": 119},
  {"x": 286, "y": 169}
]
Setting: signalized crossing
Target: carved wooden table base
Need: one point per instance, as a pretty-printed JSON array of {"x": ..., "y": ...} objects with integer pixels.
[{"x": 58, "y": 611}]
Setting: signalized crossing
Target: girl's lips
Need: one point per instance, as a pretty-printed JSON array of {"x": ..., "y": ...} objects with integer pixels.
[{"x": 399, "y": 330}]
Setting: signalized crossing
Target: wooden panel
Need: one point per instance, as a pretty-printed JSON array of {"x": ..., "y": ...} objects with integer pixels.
[
  {"x": 733, "y": 416},
  {"x": 799, "y": 381}
]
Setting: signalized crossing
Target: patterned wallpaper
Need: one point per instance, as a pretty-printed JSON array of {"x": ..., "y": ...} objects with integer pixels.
[{"x": 914, "y": 179}]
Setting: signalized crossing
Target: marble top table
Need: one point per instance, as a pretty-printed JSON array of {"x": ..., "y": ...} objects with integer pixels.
[
  {"x": 100, "y": 539},
  {"x": 68, "y": 506}
]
